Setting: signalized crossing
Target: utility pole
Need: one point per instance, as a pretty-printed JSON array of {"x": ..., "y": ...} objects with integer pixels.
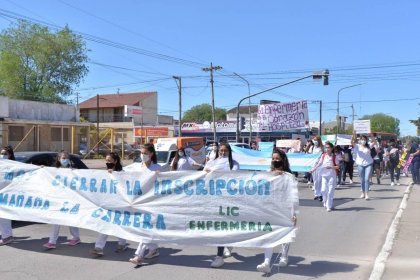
[
  {"x": 211, "y": 69},
  {"x": 97, "y": 121},
  {"x": 320, "y": 118},
  {"x": 177, "y": 78}
]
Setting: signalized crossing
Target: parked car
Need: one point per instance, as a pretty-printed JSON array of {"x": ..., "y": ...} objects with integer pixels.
[{"x": 47, "y": 159}]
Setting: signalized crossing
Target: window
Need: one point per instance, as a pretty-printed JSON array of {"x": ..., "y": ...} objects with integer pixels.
[
  {"x": 56, "y": 134},
  {"x": 16, "y": 133}
]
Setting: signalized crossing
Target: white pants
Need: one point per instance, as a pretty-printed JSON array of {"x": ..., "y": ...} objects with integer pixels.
[
  {"x": 317, "y": 183},
  {"x": 74, "y": 231},
  {"x": 101, "y": 241},
  {"x": 141, "y": 249},
  {"x": 268, "y": 252},
  {"x": 328, "y": 187},
  {"x": 5, "y": 228}
]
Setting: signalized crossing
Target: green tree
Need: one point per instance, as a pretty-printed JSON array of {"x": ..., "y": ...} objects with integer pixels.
[
  {"x": 417, "y": 123},
  {"x": 383, "y": 123},
  {"x": 37, "y": 64},
  {"x": 201, "y": 113}
]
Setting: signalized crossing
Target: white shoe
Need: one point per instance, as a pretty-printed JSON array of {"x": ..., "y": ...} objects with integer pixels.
[
  {"x": 309, "y": 183},
  {"x": 351, "y": 182},
  {"x": 217, "y": 262},
  {"x": 392, "y": 184},
  {"x": 152, "y": 254},
  {"x": 366, "y": 197},
  {"x": 328, "y": 209},
  {"x": 283, "y": 262},
  {"x": 398, "y": 183},
  {"x": 264, "y": 267},
  {"x": 362, "y": 195},
  {"x": 227, "y": 252}
]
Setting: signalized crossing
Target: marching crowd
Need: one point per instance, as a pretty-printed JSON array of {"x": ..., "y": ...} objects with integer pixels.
[{"x": 371, "y": 157}]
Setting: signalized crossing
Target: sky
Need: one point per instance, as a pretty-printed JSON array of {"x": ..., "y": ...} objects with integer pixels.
[{"x": 373, "y": 43}]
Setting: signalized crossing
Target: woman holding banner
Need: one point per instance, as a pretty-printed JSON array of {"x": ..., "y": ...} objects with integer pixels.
[
  {"x": 148, "y": 161},
  {"x": 279, "y": 165},
  {"x": 224, "y": 162},
  {"x": 364, "y": 161},
  {"x": 113, "y": 163},
  {"x": 6, "y": 225},
  {"x": 62, "y": 161},
  {"x": 182, "y": 162}
]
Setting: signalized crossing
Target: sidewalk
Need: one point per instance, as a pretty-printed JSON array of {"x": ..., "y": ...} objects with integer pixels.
[{"x": 404, "y": 261}]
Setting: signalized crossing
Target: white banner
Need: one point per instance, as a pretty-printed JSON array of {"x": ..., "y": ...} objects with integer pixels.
[
  {"x": 361, "y": 126},
  {"x": 344, "y": 139},
  {"x": 241, "y": 208},
  {"x": 283, "y": 116},
  {"x": 289, "y": 143}
]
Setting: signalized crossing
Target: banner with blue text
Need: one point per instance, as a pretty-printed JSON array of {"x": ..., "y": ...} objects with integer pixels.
[{"x": 240, "y": 208}]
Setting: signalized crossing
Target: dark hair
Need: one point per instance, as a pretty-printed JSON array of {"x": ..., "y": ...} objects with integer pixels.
[
  {"x": 286, "y": 165},
  {"x": 59, "y": 155},
  {"x": 151, "y": 149},
  {"x": 328, "y": 143},
  {"x": 117, "y": 159},
  {"x": 174, "y": 167},
  {"x": 230, "y": 154},
  {"x": 9, "y": 150},
  {"x": 366, "y": 139}
]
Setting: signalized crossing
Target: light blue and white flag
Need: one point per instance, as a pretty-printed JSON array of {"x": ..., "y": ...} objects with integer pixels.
[{"x": 258, "y": 160}]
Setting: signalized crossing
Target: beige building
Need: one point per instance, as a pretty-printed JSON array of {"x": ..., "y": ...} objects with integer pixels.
[
  {"x": 110, "y": 109},
  {"x": 39, "y": 126}
]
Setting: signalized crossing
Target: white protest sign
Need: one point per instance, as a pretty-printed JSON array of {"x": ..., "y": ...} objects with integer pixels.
[
  {"x": 361, "y": 126},
  {"x": 283, "y": 116},
  {"x": 343, "y": 139},
  {"x": 289, "y": 143},
  {"x": 239, "y": 208}
]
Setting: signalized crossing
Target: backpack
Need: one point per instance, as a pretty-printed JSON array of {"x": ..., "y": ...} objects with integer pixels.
[
  {"x": 373, "y": 152},
  {"x": 335, "y": 164}
]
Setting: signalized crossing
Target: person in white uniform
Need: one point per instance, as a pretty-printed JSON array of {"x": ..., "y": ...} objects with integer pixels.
[
  {"x": 147, "y": 250},
  {"x": 62, "y": 161},
  {"x": 318, "y": 149},
  {"x": 280, "y": 166},
  {"x": 327, "y": 169},
  {"x": 226, "y": 163},
  {"x": 182, "y": 162},
  {"x": 113, "y": 163}
]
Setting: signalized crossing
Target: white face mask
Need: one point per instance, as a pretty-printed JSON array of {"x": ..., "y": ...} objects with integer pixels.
[
  {"x": 181, "y": 154},
  {"x": 65, "y": 162},
  {"x": 363, "y": 142},
  {"x": 145, "y": 158},
  {"x": 315, "y": 142}
]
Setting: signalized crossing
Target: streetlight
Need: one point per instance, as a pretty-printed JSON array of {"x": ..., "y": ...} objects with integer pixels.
[
  {"x": 317, "y": 75},
  {"x": 249, "y": 106},
  {"x": 338, "y": 105}
]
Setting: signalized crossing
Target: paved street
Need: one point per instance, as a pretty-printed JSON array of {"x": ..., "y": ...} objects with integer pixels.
[{"x": 340, "y": 244}]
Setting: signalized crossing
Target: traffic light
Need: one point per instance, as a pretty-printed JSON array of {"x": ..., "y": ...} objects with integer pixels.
[
  {"x": 242, "y": 123},
  {"x": 326, "y": 74}
]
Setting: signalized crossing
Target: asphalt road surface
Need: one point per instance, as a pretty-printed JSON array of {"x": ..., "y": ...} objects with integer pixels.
[{"x": 341, "y": 244}]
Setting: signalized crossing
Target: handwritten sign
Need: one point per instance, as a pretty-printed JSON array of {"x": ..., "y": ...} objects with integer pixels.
[
  {"x": 361, "y": 126},
  {"x": 283, "y": 116}
]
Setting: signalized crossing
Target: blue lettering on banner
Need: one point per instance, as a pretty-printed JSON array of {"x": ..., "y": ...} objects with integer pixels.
[
  {"x": 129, "y": 219},
  {"x": 106, "y": 186},
  {"x": 133, "y": 188},
  {"x": 216, "y": 187},
  {"x": 20, "y": 201}
]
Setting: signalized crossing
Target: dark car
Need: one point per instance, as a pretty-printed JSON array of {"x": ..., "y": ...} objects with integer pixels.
[{"x": 47, "y": 159}]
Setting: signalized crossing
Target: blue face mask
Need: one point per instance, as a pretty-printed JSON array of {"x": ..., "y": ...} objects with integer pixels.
[
  {"x": 315, "y": 142},
  {"x": 65, "y": 162}
]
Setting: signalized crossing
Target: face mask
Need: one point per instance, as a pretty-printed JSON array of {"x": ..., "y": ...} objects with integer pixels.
[
  {"x": 181, "y": 154},
  {"x": 276, "y": 163},
  {"x": 315, "y": 142},
  {"x": 65, "y": 162},
  {"x": 110, "y": 165},
  {"x": 145, "y": 158},
  {"x": 363, "y": 142},
  {"x": 215, "y": 148}
]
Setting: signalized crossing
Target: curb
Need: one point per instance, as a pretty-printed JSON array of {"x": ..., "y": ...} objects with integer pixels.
[{"x": 380, "y": 261}]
